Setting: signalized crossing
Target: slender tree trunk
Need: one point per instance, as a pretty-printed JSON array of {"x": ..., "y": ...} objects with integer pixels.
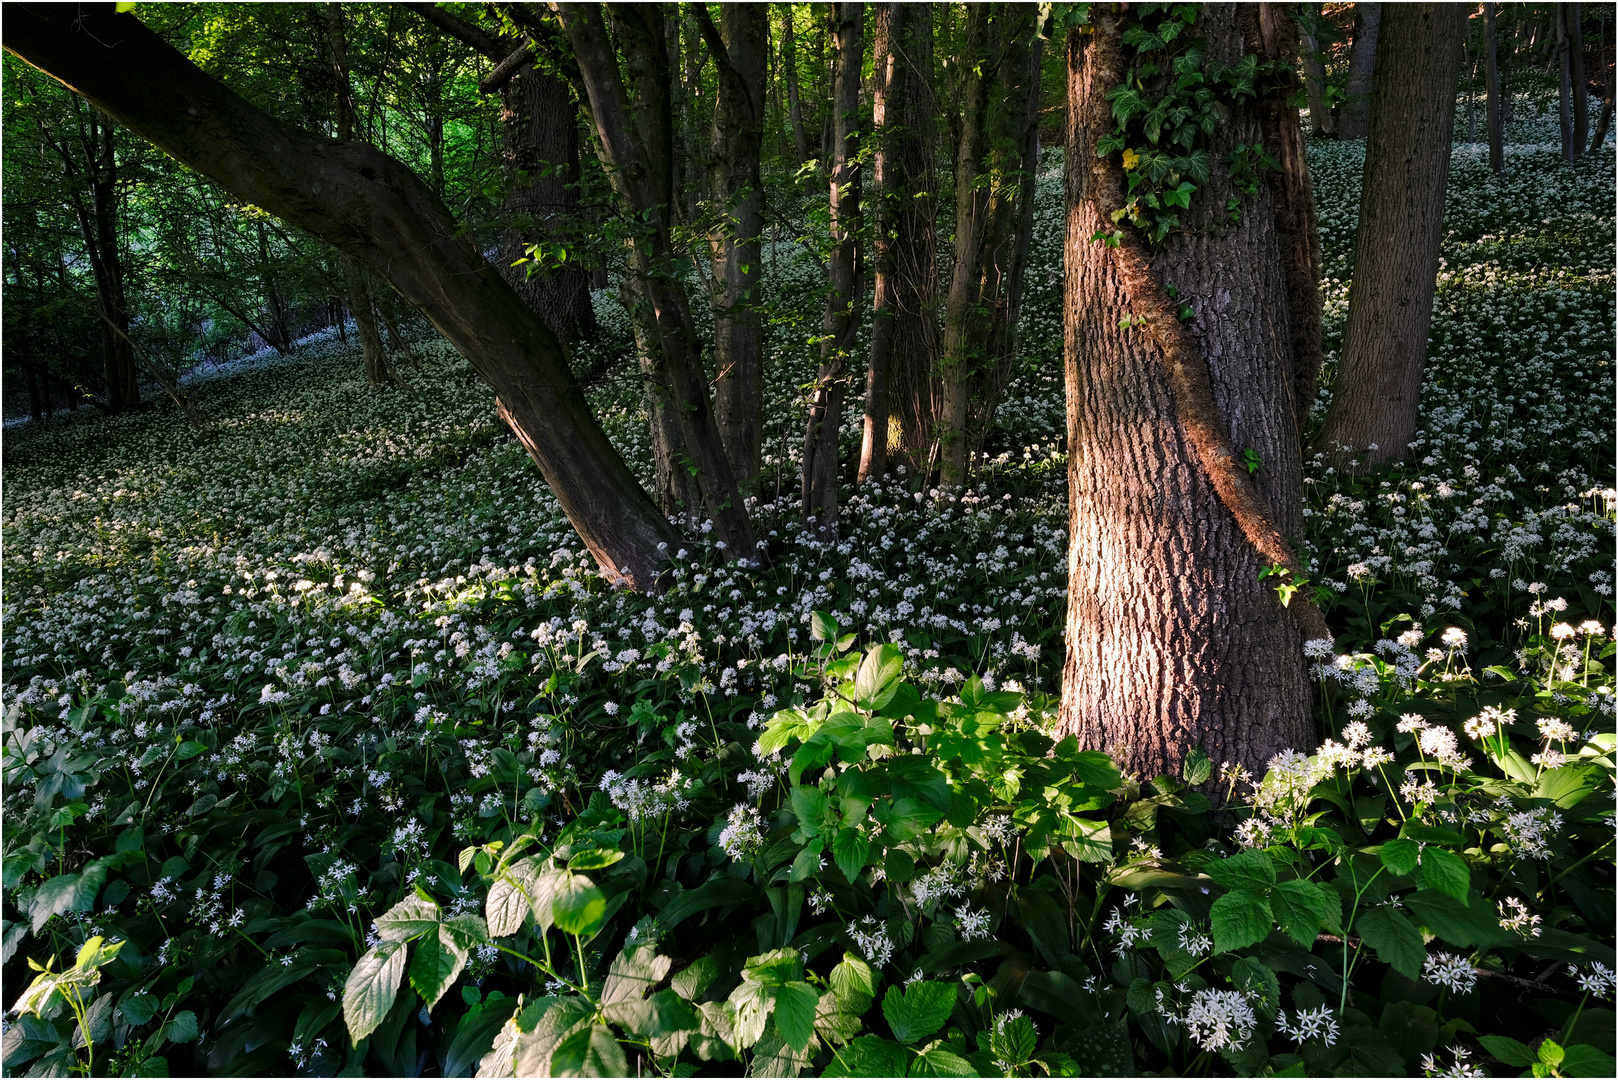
[
  {"x": 274, "y": 303},
  {"x": 789, "y": 63},
  {"x": 1361, "y": 71},
  {"x": 1496, "y": 119},
  {"x": 1574, "y": 14},
  {"x": 1378, "y": 387},
  {"x": 368, "y": 204},
  {"x": 1172, "y": 641},
  {"x": 888, "y": 86},
  {"x": 846, "y": 269},
  {"x": 636, "y": 149},
  {"x": 1607, "y": 95},
  {"x": 736, "y": 240},
  {"x": 1314, "y": 77},
  {"x": 1564, "y": 97}
]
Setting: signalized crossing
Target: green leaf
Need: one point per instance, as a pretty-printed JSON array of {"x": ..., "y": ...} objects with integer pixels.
[
  {"x": 435, "y": 966},
  {"x": 851, "y": 850},
  {"x": 371, "y": 987},
  {"x": 66, "y": 892},
  {"x": 578, "y": 906},
  {"x": 794, "y": 1013},
  {"x": 822, "y": 627},
  {"x": 809, "y": 804},
  {"x": 937, "y": 1061},
  {"x": 1550, "y": 1053},
  {"x": 186, "y": 752},
  {"x": 1401, "y": 856},
  {"x": 854, "y": 982},
  {"x": 139, "y": 1009},
  {"x": 1445, "y": 871},
  {"x": 1397, "y": 943},
  {"x": 1455, "y": 922},
  {"x": 869, "y": 1055},
  {"x": 1252, "y": 870},
  {"x": 1582, "y": 1060},
  {"x": 1240, "y": 919},
  {"x": 1259, "y": 982},
  {"x": 1197, "y": 767},
  {"x": 594, "y": 859},
  {"x": 878, "y": 678},
  {"x": 918, "y": 1010},
  {"x": 1507, "y": 1050},
  {"x": 1302, "y": 908},
  {"x": 182, "y": 1028},
  {"x": 590, "y": 1051},
  {"x": 409, "y": 918}
]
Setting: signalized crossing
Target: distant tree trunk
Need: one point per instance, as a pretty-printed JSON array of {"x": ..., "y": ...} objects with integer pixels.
[
  {"x": 906, "y": 245},
  {"x": 888, "y": 84},
  {"x": 274, "y": 302},
  {"x": 636, "y": 150},
  {"x": 1378, "y": 388},
  {"x": 1607, "y": 93},
  {"x": 1296, "y": 222},
  {"x": 1361, "y": 71},
  {"x": 1496, "y": 120},
  {"x": 989, "y": 165},
  {"x": 846, "y": 269},
  {"x": 1574, "y": 14},
  {"x": 368, "y": 204},
  {"x": 789, "y": 64},
  {"x": 736, "y": 240},
  {"x": 1314, "y": 77},
  {"x": 1564, "y": 97},
  {"x": 1172, "y": 640}
]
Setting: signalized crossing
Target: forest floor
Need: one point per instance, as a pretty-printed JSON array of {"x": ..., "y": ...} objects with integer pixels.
[{"x": 365, "y": 565}]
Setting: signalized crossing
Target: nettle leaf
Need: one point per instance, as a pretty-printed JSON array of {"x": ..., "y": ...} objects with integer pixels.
[
  {"x": 795, "y": 1005},
  {"x": 1397, "y": 943},
  {"x": 1445, "y": 871},
  {"x": 1400, "y": 856},
  {"x": 1302, "y": 908},
  {"x": 918, "y": 1010},
  {"x": 371, "y": 987},
  {"x": 1240, "y": 919},
  {"x": 590, "y": 1051},
  {"x": 869, "y": 1055},
  {"x": 851, "y": 850},
  {"x": 1251, "y": 870}
]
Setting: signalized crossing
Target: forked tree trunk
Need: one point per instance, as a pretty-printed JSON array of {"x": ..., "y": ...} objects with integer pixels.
[
  {"x": 1496, "y": 120},
  {"x": 1355, "y": 119},
  {"x": 738, "y": 47},
  {"x": 1173, "y": 641},
  {"x": 1401, "y": 227},
  {"x": 371, "y": 206},
  {"x": 821, "y": 465}
]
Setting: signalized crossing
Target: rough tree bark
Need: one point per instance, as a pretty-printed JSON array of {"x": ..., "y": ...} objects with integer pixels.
[
  {"x": 738, "y": 46},
  {"x": 1173, "y": 641},
  {"x": 846, "y": 270},
  {"x": 363, "y": 202},
  {"x": 540, "y": 137},
  {"x": 635, "y": 146},
  {"x": 989, "y": 170},
  {"x": 1496, "y": 124},
  {"x": 1354, "y": 121},
  {"x": 1314, "y": 77},
  {"x": 1378, "y": 386}
]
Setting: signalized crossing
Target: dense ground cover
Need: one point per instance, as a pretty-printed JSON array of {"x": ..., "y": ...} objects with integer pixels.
[{"x": 300, "y": 711}]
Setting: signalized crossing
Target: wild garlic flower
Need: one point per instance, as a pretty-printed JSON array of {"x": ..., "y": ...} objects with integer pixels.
[
  {"x": 1309, "y": 1024},
  {"x": 1595, "y": 979},
  {"x": 972, "y": 924},
  {"x": 871, "y": 939},
  {"x": 1515, "y": 916},
  {"x": 743, "y": 833},
  {"x": 1459, "y": 1068},
  {"x": 1219, "y": 1019},
  {"x": 1454, "y": 973}
]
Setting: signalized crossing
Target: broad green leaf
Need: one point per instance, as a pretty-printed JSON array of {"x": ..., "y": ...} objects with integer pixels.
[
  {"x": 1508, "y": 1050},
  {"x": 809, "y": 804},
  {"x": 822, "y": 627},
  {"x": 66, "y": 892},
  {"x": 139, "y": 1009},
  {"x": 1455, "y": 922},
  {"x": 1445, "y": 871},
  {"x": 409, "y": 918},
  {"x": 543, "y": 1025},
  {"x": 594, "y": 859},
  {"x": 937, "y": 1061},
  {"x": 1260, "y": 983},
  {"x": 878, "y": 679},
  {"x": 851, "y": 850},
  {"x": 1240, "y": 919},
  {"x": 578, "y": 906},
  {"x": 1302, "y": 908},
  {"x": 1253, "y": 870},
  {"x": 182, "y": 1027},
  {"x": 1584, "y": 1060},
  {"x": 1550, "y": 1053},
  {"x": 868, "y": 1055},
  {"x": 919, "y": 1010},
  {"x": 590, "y": 1051},
  {"x": 1400, "y": 856},
  {"x": 1197, "y": 767},
  {"x": 1397, "y": 943},
  {"x": 435, "y": 965},
  {"x": 854, "y": 982},
  {"x": 371, "y": 987},
  {"x": 794, "y": 1013}
]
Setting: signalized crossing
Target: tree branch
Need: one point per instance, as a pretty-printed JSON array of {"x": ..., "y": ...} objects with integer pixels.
[{"x": 490, "y": 45}]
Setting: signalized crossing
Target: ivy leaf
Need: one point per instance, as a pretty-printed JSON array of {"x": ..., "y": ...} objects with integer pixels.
[{"x": 1240, "y": 919}]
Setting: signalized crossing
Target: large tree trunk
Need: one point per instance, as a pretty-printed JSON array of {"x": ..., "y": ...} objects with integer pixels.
[
  {"x": 1378, "y": 387},
  {"x": 906, "y": 247},
  {"x": 1314, "y": 77},
  {"x": 1355, "y": 119},
  {"x": 678, "y": 495},
  {"x": 1173, "y": 641},
  {"x": 738, "y": 49},
  {"x": 636, "y": 149},
  {"x": 846, "y": 269},
  {"x": 1496, "y": 120},
  {"x": 889, "y": 82},
  {"x": 990, "y": 163},
  {"x": 358, "y": 199},
  {"x": 789, "y": 64}
]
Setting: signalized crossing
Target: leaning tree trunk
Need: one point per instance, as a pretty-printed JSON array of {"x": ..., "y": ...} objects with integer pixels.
[
  {"x": 821, "y": 465},
  {"x": 1355, "y": 119},
  {"x": 1497, "y": 131},
  {"x": 738, "y": 46},
  {"x": 1173, "y": 642},
  {"x": 1390, "y": 307},
  {"x": 366, "y": 203}
]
